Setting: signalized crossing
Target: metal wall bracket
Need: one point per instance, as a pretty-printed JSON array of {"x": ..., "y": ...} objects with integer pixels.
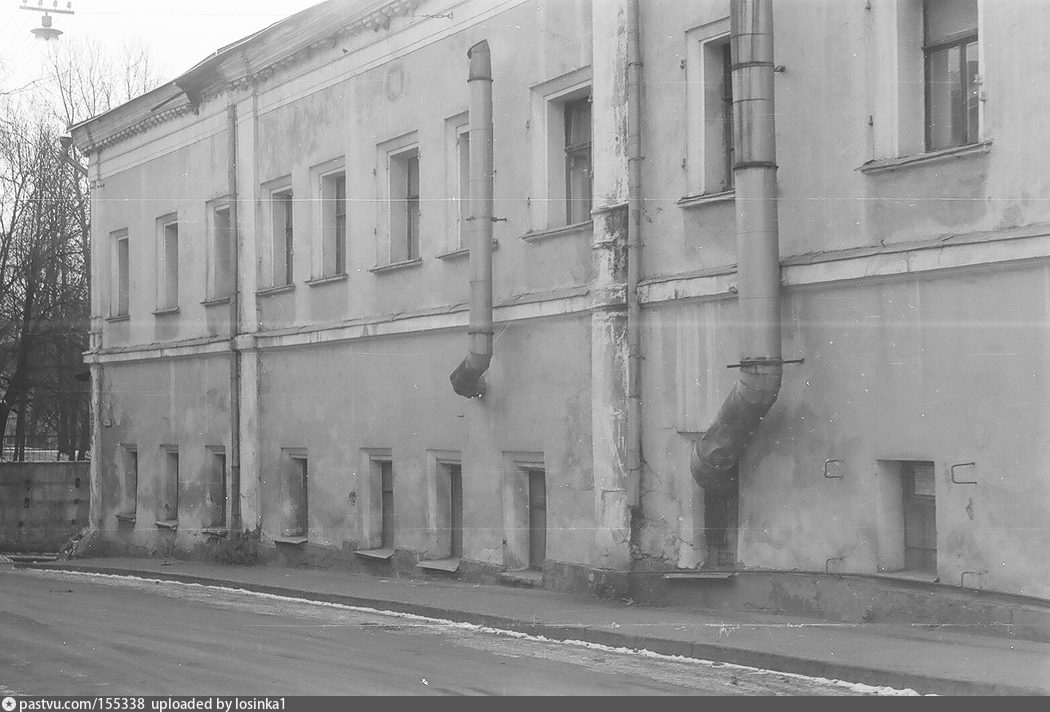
[
  {"x": 962, "y": 576},
  {"x": 962, "y": 482},
  {"x": 764, "y": 362},
  {"x": 831, "y": 477},
  {"x": 828, "y": 561}
]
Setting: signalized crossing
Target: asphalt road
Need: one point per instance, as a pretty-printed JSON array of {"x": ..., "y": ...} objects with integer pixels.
[{"x": 67, "y": 634}]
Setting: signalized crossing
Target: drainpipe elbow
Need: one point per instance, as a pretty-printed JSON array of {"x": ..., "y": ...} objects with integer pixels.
[{"x": 468, "y": 378}]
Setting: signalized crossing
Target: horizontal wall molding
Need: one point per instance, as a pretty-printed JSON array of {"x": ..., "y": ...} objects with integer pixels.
[
  {"x": 955, "y": 252},
  {"x": 960, "y": 252},
  {"x": 562, "y": 302}
]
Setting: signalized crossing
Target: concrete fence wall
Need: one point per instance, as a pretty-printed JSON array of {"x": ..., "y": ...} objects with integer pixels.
[{"x": 42, "y": 504}]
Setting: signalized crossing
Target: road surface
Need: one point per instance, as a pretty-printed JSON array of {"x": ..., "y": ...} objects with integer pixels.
[{"x": 76, "y": 634}]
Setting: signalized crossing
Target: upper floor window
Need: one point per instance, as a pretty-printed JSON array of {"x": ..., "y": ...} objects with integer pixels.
[
  {"x": 283, "y": 236},
  {"x": 333, "y": 207},
  {"x": 709, "y": 110},
  {"x": 221, "y": 283},
  {"x": 404, "y": 206},
  {"x": 951, "y": 76},
  {"x": 577, "y": 116},
  {"x": 168, "y": 263},
  {"x": 121, "y": 274},
  {"x": 560, "y": 131}
]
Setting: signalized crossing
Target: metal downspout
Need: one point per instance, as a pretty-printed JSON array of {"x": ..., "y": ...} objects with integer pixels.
[
  {"x": 468, "y": 378},
  {"x": 716, "y": 453},
  {"x": 634, "y": 257},
  {"x": 235, "y": 321}
]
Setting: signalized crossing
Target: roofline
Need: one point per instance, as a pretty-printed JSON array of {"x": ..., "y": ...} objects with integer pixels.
[{"x": 206, "y": 79}]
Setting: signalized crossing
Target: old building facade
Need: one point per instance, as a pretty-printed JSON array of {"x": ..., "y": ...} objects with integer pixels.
[{"x": 282, "y": 271}]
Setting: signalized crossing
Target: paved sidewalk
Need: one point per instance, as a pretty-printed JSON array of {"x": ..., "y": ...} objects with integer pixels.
[{"x": 922, "y": 658}]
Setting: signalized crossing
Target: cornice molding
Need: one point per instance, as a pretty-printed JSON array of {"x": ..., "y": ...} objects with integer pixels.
[{"x": 375, "y": 20}]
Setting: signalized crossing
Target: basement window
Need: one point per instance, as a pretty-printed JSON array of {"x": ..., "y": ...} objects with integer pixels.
[
  {"x": 129, "y": 463},
  {"x": 907, "y": 516},
  {"x": 293, "y": 496},
  {"x": 168, "y": 488},
  {"x": 214, "y": 516}
]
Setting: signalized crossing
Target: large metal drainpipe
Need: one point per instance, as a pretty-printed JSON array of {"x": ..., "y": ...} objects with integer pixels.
[
  {"x": 716, "y": 453},
  {"x": 468, "y": 378},
  {"x": 235, "y": 321},
  {"x": 634, "y": 257}
]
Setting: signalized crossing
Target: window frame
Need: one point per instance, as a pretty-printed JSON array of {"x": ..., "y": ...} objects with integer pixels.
[
  {"x": 961, "y": 41},
  {"x": 282, "y": 235},
  {"x": 220, "y": 249},
  {"x": 709, "y": 130},
  {"x": 397, "y": 244},
  {"x": 120, "y": 283},
  {"x": 548, "y": 190},
  {"x": 168, "y": 233},
  {"x": 331, "y": 216},
  {"x": 577, "y": 147},
  {"x": 168, "y": 488},
  {"x": 457, "y": 182}
]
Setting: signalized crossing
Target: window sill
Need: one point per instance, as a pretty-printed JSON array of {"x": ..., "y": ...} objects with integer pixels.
[
  {"x": 888, "y": 164},
  {"x": 118, "y": 318},
  {"x": 166, "y": 524},
  {"x": 565, "y": 230},
  {"x": 450, "y": 565},
  {"x": 290, "y": 540},
  {"x": 380, "y": 554},
  {"x": 461, "y": 252},
  {"x": 215, "y": 531},
  {"x": 216, "y": 301},
  {"x": 270, "y": 291},
  {"x": 691, "y": 201},
  {"x": 125, "y": 517},
  {"x": 328, "y": 279},
  {"x": 394, "y": 266},
  {"x": 166, "y": 311}
]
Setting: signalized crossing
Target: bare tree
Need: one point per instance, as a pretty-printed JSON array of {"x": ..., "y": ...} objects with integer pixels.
[{"x": 45, "y": 242}]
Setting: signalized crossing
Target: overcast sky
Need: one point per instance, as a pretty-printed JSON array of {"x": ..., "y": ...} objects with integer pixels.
[{"x": 178, "y": 33}]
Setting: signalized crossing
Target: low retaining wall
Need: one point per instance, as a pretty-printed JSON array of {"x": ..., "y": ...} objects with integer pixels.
[{"x": 42, "y": 504}]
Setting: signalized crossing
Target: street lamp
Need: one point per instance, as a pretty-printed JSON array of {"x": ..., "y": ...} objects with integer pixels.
[{"x": 46, "y": 32}]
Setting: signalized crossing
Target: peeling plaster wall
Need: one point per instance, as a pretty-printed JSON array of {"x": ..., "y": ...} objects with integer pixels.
[
  {"x": 336, "y": 401},
  {"x": 148, "y": 405},
  {"x": 943, "y": 367}
]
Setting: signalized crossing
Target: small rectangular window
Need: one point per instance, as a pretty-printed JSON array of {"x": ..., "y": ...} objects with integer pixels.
[
  {"x": 386, "y": 488},
  {"x": 952, "y": 92},
  {"x": 333, "y": 231},
  {"x": 168, "y": 489},
  {"x": 537, "y": 518},
  {"x": 129, "y": 496},
  {"x": 463, "y": 161},
  {"x": 215, "y": 489},
  {"x": 283, "y": 236},
  {"x": 294, "y": 491},
  {"x": 222, "y": 252},
  {"x": 121, "y": 282},
  {"x": 578, "y": 160},
  {"x": 920, "y": 516},
  {"x": 168, "y": 279},
  {"x": 404, "y": 206}
]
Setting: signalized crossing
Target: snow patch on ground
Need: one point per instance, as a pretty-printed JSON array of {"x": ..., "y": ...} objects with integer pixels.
[{"x": 427, "y": 621}]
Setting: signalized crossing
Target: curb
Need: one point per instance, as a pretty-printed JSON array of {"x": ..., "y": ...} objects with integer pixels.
[{"x": 923, "y": 684}]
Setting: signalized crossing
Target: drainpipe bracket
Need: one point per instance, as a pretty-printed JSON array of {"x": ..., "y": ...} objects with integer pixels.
[{"x": 744, "y": 363}]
